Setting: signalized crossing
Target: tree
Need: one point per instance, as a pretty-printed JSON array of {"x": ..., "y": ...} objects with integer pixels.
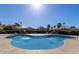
[
  {"x": 63, "y": 24},
  {"x": 0, "y": 23},
  {"x": 59, "y": 25},
  {"x": 17, "y": 24},
  {"x": 8, "y": 27},
  {"x": 41, "y": 28},
  {"x": 54, "y": 26},
  {"x": 48, "y": 27},
  {"x": 21, "y": 23},
  {"x": 72, "y": 27},
  {"x": 51, "y": 28}
]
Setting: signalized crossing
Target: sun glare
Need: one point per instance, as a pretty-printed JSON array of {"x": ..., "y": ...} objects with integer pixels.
[{"x": 37, "y": 6}]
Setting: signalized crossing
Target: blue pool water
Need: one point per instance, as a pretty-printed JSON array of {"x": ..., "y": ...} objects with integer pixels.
[{"x": 37, "y": 43}]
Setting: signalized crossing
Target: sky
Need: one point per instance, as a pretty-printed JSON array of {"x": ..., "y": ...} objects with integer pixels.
[{"x": 33, "y": 16}]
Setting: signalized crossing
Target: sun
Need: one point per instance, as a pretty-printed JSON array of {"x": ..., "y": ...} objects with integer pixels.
[{"x": 36, "y": 6}]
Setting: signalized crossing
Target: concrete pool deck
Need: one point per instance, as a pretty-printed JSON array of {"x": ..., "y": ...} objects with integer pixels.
[{"x": 71, "y": 46}]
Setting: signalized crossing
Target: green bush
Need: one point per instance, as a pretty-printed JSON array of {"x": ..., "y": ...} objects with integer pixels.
[
  {"x": 2, "y": 31},
  {"x": 68, "y": 32}
]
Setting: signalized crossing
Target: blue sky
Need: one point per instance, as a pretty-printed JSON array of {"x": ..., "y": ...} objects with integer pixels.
[{"x": 46, "y": 14}]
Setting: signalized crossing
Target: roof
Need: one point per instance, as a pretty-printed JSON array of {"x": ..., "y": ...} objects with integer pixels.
[{"x": 21, "y": 27}]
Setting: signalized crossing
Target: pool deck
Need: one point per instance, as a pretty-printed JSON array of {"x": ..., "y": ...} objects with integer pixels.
[{"x": 71, "y": 46}]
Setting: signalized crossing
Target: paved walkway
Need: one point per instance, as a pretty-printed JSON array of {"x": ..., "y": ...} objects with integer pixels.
[{"x": 71, "y": 46}]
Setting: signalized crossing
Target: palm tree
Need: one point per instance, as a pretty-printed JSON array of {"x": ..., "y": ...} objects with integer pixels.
[
  {"x": 17, "y": 24},
  {"x": 48, "y": 27},
  {"x": 63, "y": 24},
  {"x": 51, "y": 28},
  {"x": 0, "y": 23},
  {"x": 21, "y": 23},
  {"x": 54, "y": 26},
  {"x": 1, "y": 26},
  {"x": 59, "y": 25}
]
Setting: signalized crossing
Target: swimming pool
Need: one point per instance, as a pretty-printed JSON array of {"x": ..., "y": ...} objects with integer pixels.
[{"x": 38, "y": 42}]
